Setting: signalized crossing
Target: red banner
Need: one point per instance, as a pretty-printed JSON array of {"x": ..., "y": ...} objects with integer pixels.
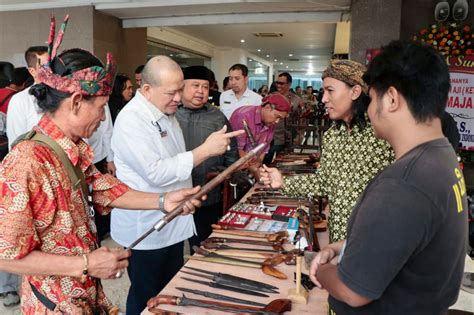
[{"x": 460, "y": 100}]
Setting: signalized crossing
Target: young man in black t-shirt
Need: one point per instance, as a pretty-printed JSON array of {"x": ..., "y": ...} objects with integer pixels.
[{"x": 406, "y": 238}]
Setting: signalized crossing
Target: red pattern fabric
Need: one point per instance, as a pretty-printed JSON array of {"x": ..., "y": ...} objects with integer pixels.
[
  {"x": 40, "y": 210},
  {"x": 5, "y": 97}
]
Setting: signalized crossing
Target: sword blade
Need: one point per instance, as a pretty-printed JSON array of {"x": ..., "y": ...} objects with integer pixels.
[
  {"x": 199, "y": 275},
  {"x": 220, "y": 297},
  {"x": 236, "y": 278},
  {"x": 184, "y": 301},
  {"x": 226, "y": 287}
]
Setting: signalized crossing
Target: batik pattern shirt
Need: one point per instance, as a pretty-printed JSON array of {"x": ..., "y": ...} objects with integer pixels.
[
  {"x": 41, "y": 211},
  {"x": 349, "y": 160}
]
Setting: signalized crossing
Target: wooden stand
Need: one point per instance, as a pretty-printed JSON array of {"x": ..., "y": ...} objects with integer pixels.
[{"x": 298, "y": 294}]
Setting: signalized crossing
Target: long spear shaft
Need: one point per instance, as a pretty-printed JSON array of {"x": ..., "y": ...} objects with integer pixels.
[{"x": 159, "y": 225}]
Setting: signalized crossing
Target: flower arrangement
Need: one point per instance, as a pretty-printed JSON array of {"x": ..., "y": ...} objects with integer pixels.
[{"x": 449, "y": 38}]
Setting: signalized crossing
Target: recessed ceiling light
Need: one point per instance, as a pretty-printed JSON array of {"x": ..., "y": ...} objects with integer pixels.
[
  {"x": 242, "y": 40},
  {"x": 268, "y": 56},
  {"x": 275, "y": 60},
  {"x": 259, "y": 50},
  {"x": 310, "y": 57},
  {"x": 171, "y": 55},
  {"x": 250, "y": 60},
  {"x": 286, "y": 67},
  {"x": 281, "y": 63},
  {"x": 290, "y": 55}
]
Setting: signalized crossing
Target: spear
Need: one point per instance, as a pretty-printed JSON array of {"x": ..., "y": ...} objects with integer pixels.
[{"x": 159, "y": 225}]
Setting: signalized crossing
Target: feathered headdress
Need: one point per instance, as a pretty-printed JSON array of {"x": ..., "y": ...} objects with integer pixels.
[{"x": 92, "y": 81}]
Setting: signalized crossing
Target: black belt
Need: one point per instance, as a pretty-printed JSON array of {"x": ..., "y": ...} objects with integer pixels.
[{"x": 50, "y": 305}]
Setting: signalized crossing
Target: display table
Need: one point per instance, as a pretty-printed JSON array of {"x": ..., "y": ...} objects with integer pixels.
[{"x": 317, "y": 301}]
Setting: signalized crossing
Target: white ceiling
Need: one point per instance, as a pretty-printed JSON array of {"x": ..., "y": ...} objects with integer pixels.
[
  {"x": 308, "y": 26},
  {"x": 309, "y": 43}
]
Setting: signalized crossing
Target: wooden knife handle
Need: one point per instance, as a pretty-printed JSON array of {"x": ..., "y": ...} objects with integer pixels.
[{"x": 162, "y": 299}]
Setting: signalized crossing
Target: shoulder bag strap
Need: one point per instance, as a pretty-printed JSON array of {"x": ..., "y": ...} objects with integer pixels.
[{"x": 75, "y": 173}]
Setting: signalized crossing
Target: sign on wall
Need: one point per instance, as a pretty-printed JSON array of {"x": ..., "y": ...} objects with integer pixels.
[{"x": 461, "y": 94}]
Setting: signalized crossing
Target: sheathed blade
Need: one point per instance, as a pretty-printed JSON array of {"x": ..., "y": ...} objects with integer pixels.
[
  {"x": 226, "y": 247},
  {"x": 253, "y": 143},
  {"x": 226, "y": 287},
  {"x": 221, "y": 297},
  {"x": 236, "y": 278}
]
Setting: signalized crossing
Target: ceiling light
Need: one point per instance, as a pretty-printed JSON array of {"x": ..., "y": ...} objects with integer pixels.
[
  {"x": 281, "y": 63},
  {"x": 171, "y": 55},
  {"x": 286, "y": 67},
  {"x": 242, "y": 40},
  {"x": 275, "y": 60},
  {"x": 259, "y": 50},
  {"x": 268, "y": 56},
  {"x": 290, "y": 55},
  {"x": 250, "y": 60}
]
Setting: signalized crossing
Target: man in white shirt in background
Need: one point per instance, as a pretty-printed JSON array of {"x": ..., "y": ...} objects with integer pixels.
[
  {"x": 239, "y": 95},
  {"x": 104, "y": 161},
  {"x": 23, "y": 111},
  {"x": 150, "y": 154}
]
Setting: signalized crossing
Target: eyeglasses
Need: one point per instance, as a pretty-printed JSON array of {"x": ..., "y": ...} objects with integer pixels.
[{"x": 280, "y": 83}]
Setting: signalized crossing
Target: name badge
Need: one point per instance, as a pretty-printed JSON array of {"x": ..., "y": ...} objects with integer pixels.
[
  {"x": 163, "y": 133},
  {"x": 226, "y": 102}
]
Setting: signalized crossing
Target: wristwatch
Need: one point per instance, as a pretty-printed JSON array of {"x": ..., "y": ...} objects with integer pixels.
[{"x": 161, "y": 203}]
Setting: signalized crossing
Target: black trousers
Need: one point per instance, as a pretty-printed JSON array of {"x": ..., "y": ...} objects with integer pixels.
[
  {"x": 102, "y": 222},
  {"x": 203, "y": 218},
  {"x": 149, "y": 272}
]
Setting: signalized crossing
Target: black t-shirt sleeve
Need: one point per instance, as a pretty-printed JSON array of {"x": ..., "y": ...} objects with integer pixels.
[{"x": 390, "y": 224}]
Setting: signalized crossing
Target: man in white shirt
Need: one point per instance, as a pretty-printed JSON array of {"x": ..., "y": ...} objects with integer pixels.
[
  {"x": 150, "y": 155},
  {"x": 239, "y": 95},
  {"x": 104, "y": 161},
  {"x": 23, "y": 111}
]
